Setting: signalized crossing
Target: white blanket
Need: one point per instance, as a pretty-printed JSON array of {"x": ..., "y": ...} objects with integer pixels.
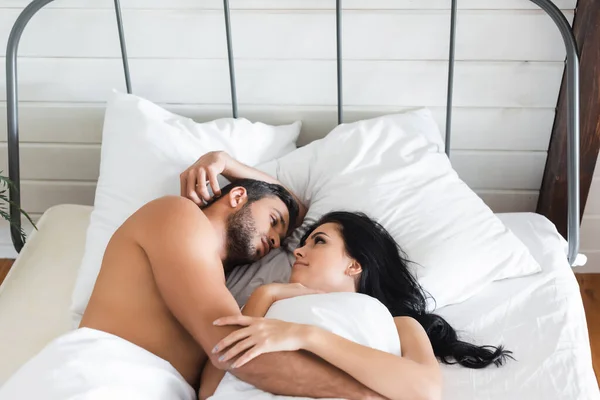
[
  {"x": 88, "y": 364},
  {"x": 354, "y": 316}
]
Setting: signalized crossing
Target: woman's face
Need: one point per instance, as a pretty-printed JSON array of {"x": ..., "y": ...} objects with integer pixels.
[{"x": 323, "y": 264}]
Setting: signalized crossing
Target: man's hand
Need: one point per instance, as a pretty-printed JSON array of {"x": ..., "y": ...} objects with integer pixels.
[{"x": 195, "y": 179}]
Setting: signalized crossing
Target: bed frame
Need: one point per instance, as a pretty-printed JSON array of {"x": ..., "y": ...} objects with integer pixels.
[{"x": 572, "y": 100}]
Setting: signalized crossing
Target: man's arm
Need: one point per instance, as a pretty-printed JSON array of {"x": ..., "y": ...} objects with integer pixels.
[
  {"x": 206, "y": 169},
  {"x": 181, "y": 246},
  {"x": 237, "y": 170}
]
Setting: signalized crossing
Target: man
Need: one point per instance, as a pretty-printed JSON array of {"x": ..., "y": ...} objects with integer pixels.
[{"x": 162, "y": 284}]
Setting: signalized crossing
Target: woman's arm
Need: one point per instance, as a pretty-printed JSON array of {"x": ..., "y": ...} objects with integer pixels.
[
  {"x": 415, "y": 375},
  {"x": 257, "y": 306}
]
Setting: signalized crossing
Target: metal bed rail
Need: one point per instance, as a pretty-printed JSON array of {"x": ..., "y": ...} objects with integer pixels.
[{"x": 572, "y": 76}]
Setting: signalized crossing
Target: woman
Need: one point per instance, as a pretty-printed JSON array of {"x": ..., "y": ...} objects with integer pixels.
[{"x": 350, "y": 253}]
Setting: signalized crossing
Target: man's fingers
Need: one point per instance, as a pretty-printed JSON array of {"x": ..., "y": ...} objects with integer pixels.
[
  {"x": 183, "y": 184},
  {"x": 201, "y": 188},
  {"x": 214, "y": 183},
  {"x": 191, "y": 188}
]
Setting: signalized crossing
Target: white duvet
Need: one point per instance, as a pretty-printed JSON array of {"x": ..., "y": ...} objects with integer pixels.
[
  {"x": 354, "y": 316},
  {"x": 87, "y": 364},
  {"x": 540, "y": 318}
]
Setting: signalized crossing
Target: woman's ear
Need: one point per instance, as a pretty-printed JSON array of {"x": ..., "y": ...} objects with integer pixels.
[
  {"x": 237, "y": 196},
  {"x": 354, "y": 269}
]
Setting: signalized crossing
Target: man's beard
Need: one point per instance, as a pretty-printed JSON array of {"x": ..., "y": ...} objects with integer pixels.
[{"x": 241, "y": 230}]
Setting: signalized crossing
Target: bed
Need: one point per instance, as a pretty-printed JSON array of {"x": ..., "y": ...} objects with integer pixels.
[{"x": 545, "y": 308}]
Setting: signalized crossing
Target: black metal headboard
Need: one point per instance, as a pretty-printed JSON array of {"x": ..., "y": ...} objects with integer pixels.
[{"x": 572, "y": 76}]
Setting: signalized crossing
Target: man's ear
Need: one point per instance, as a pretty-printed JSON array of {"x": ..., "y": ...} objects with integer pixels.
[{"x": 237, "y": 196}]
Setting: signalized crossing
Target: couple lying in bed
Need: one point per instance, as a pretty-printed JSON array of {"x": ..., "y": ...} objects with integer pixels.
[{"x": 161, "y": 324}]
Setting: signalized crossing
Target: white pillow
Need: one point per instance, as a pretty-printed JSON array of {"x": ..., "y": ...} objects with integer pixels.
[
  {"x": 394, "y": 169},
  {"x": 144, "y": 150}
]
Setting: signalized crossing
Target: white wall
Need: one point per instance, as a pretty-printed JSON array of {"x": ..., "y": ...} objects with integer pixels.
[
  {"x": 590, "y": 227},
  {"x": 507, "y": 79}
]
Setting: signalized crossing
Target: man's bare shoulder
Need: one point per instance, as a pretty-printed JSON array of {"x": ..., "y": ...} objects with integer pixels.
[{"x": 175, "y": 217}]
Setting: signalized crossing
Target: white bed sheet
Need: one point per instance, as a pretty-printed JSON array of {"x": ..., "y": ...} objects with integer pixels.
[{"x": 540, "y": 318}]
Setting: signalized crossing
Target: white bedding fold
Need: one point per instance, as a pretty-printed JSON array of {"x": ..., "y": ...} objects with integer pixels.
[
  {"x": 354, "y": 316},
  {"x": 88, "y": 364}
]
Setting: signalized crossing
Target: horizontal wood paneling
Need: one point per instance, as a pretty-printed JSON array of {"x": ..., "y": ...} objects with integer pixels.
[
  {"x": 479, "y": 169},
  {"x": 500, "y": 170},
  {"x": 38, "y": 196},
  {"x": 395, "y": 51},
  {"x": 56, "y": 161},
  {"x": 384, "y": 35},
  {"x": 294, "y": 4},
  {"x": 503, "y": 201},
  {"x": 473, "y": 128},
  {"x": 297, "y": 82}
]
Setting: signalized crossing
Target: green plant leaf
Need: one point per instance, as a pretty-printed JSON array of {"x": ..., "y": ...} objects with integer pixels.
[
  {"x": 24, "y": 213},
  {"x": 6, "y": 182}
]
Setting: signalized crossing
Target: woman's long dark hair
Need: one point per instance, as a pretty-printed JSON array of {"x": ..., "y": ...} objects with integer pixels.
[{"x": 386, "y": 277}]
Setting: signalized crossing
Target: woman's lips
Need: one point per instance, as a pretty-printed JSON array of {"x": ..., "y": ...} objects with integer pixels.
[{"x": 299, "y": 264}]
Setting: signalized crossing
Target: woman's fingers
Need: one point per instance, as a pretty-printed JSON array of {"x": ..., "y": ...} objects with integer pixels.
[
  {"x": 241, "y": 320},
  {"x": 238, "y": 349},
  {"x": 248, "y": 356},
  {"x": 232, "y": 338}
]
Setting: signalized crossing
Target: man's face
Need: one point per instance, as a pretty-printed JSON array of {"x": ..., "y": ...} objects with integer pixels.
[{"x": 256, "y": 229}]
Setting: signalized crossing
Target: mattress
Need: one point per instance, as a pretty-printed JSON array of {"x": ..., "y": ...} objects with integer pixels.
[
  {"x": 36, "y": 295},
  {"x": 540, "y": 318}
]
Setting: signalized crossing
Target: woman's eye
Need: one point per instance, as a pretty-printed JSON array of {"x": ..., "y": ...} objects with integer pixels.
[
  {"x": 273, "y": 221},
  {"x": 319, "y": 240}
]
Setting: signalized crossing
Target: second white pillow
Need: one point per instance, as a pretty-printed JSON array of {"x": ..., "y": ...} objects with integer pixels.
[{"x": 394, "y": 169}]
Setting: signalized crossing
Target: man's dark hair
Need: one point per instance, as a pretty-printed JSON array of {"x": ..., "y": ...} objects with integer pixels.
[{"x": 257, "y": 190}]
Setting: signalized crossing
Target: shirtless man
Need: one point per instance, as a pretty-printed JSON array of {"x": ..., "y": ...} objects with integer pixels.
[{"x": 162, "y": 280}]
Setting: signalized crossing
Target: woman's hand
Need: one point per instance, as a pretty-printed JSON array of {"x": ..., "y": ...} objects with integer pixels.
[
  {"x": 281, "y": 291},
  {"x": 206, "y": 170},
  {"x": 259, "y": 336}
]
